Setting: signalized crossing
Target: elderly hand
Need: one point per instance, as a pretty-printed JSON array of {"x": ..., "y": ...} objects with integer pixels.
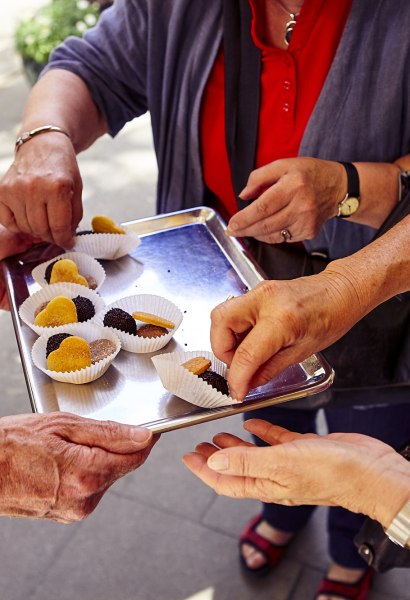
[
  {"x": 340, "y": 469},
  {"x": 11, "y": 243},
  {"x": 280, "y": 323},
  {"x": 41, "y": 192},
  {"x": 58, "y": 466},
  {"x": 296, "y": 194}
]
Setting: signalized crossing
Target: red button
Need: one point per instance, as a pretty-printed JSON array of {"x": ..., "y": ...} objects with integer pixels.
[
  {"x": 286, "y": 107},
  {"x": 287, "y": 84}
]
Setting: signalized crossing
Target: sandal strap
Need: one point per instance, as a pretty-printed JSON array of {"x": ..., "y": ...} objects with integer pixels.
[
  {"x": 270, "y": 551},
  {"x": 347, "y": 591}
]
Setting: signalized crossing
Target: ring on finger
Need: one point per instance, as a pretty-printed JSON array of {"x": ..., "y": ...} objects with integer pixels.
[{"x": 286, "y": 235}]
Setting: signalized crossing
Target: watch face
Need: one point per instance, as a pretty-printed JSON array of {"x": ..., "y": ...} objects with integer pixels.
[{"x": 349, "y": 206}]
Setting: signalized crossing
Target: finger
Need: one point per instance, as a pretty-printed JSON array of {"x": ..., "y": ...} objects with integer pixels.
[
  {"x": 205, "y": 449},
  {"x": 107, "y": 435},
  {"x": 223, "y": 484},
  {"x": 241, "y": 461},
  {"x": 259, "y": 180},
  {"x": 20, "y": 218},
  {"x": 77, "y": 206},
  {"x": 59, "y": 216},
  {"x": 227, "y": 440},
  {"x": 261, "y": 343},
  {"x": 7, "y": 218},
  {"x": 38, "y": 218},
  {"x": 227, "y": 322},
  {"x": 266, "y": 215},
  {"x": 271, "y": 434}
]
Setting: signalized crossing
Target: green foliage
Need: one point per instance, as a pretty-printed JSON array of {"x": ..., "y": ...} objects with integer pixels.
[{"x": 37, "y": 36}]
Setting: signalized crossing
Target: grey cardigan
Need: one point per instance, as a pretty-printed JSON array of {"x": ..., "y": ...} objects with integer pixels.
[{"x": 156, "y": 55}]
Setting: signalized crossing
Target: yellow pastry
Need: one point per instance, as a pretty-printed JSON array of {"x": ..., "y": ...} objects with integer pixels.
[
  {"x": 59, "y": 311},
  {"x": 103, "y": 224},
  {"x": 197, "y": 365},
  {"x": 65, "y": 270},
  {"x": 72, "y": 355},
  {"x": 153, "y": 320}
]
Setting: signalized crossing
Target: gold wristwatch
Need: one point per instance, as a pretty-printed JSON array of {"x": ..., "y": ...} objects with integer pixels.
[{"x": 351, "y": 202}]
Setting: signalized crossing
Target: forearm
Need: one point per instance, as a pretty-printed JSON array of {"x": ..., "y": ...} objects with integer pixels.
[
  {"x": 379, "y": 271},
  {"x": 61, "y": 98}
]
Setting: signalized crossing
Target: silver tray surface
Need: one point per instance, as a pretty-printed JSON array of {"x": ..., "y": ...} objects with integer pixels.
[{"x": 188, "y": 258}]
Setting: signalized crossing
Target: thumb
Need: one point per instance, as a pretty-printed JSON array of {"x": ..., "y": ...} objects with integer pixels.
[
  {"x": 110, "y": 436},
  {"x": 243, "y": 461}
]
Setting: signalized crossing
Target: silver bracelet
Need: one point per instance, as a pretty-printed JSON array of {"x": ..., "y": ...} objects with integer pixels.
[
  {"x": 399, "y": 529},
  {"x": 28, "y": 135},
  {"x": 404, "y": 183}
]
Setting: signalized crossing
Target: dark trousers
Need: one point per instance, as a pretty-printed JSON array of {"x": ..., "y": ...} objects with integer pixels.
[{"x": 391, "y": 424}]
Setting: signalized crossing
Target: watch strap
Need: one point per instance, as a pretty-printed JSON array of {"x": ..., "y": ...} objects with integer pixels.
[
  {"x": 353, "y": 181},
  {"x": 399, "y": 529}
]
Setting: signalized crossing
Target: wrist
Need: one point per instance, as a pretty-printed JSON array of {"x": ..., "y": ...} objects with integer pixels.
[{"x": 29, "y": 134}]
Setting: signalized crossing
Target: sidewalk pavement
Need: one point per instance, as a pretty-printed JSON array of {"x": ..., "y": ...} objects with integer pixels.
[{"x": 158, "y": 534}]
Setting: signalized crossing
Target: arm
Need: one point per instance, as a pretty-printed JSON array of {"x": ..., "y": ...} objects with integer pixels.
[
  {"x": 280, "y": 323},
  {"x": 58, "y": 466},
  {"x": 355, "y": 471},
  {"x": 41, "y": 192},
  {"x": 301, "y": 194}
]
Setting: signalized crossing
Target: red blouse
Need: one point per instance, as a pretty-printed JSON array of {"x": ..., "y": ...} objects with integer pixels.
[{"x": 291, "y": 81}]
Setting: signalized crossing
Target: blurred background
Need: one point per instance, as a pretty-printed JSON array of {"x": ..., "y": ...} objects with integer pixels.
[{"x": 158, "y": 534}]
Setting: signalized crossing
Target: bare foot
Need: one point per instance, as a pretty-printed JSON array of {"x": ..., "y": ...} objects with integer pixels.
[
  {"x": 338, "y": 573},
  {"x": 255, "y": 559}
]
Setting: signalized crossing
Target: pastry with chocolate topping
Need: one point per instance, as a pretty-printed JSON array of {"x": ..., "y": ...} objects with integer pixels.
[
  {"x": 85, "y": 308},
  {"x": 54, "y": 342}
]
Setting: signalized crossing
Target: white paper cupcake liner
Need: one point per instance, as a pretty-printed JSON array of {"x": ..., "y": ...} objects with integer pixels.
[
  {"x": 89, "y": 332},
  {"x": 107, "y": 246},
  {"x": 87, "y": 265},
  {"x": 179, "y": 381},
  {"x": 69, "y": 290},
  {"x": 156, "y": 305}
]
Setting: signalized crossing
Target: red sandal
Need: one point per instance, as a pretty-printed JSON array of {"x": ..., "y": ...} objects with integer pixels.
[
  {"x": 347, "y": 591},
  {"x": 271, "y": 552}
]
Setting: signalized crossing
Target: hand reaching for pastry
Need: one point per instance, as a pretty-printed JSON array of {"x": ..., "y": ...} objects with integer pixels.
[{"x": 58, "y": 466}]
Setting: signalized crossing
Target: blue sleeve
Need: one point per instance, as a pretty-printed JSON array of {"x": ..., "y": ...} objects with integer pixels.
[{"x": 111, "y": 59}]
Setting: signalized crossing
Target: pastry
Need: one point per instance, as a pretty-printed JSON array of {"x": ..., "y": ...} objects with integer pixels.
[
  {"x": 153, "y": 320},
  {"x": 85, "y": 308},
  {"x": 218, "y": 382},
  {"x": 65, "y": 270},
  {"x": 103, "y": 224},
  {"x": 197, "y": 365},
  {"x": 49, "y": 268},
  {"x": 72, "y": 355},
  {"x": 151, "y": 331},
  {"x": 100, "y": 349},
  {"x": 59, "y": 311},
  {"x": 40, "y": 307},
  {"x": 119, "y": 319},
  {"x": 54, "y": 341}
]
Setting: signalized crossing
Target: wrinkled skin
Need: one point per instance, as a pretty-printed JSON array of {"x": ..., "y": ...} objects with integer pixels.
[
  {"x": 341, "y": 469},
  {"x": 11, "y": 243},
  {"x": 58, "y": 466}
]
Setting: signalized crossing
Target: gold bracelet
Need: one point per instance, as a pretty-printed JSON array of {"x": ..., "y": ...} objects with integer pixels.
[{"x": 28, "y": 135}]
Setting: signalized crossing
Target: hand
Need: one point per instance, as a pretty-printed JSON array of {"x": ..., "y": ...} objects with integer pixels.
[
  {"x": 280, "y": 323},
  {"x": 58, "y": 466},
  {"x": 297, "y": 194},
  {"x": 11, "y": 243},
  {"x": 41, "y": 192},
  {"x": 339, "y": 469}
]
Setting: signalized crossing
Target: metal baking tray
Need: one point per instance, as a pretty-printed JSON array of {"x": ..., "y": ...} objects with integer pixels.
[{"x": 186, "y": 257}]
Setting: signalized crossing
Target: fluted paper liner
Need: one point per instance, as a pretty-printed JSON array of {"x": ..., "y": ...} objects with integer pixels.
[
  {"x": 87, "y": 265},
  {"x": 107, "y": 246},
  {"x": 69, "y": 290},
  {"x": 156, "y": 305},
  {"x": 179, "y": 381},
  {"x": 90, "y": 333}
]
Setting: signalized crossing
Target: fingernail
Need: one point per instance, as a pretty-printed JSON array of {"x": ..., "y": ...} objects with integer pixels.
[
  {"x": 218, "y": 462},
  {"x": 140, "y": 434}
]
